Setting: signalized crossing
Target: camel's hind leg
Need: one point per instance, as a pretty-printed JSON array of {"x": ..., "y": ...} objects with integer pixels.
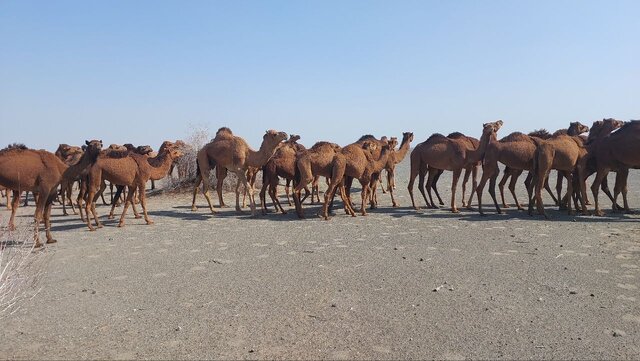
[
  {"x": 128, "y": 200},
  {"x": 15, "y": 203},
  {"x": 143, "y": 202},
  {"x": 195, "y": 192},
  {"x": 505, "y": 176},
  {"x": 47, "y": 220},
  {"x": 467, "y": 173}
]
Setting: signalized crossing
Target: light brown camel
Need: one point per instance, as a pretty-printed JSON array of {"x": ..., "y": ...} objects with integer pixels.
[
  {"x": 516, "y": 151},
  {"x": 358, "y": 161},
  {"x": 69, "y": 155},
  {"x": 375, "y": 150},
  {"x": 282, "y": 164},
  {"x": 131, "y": 170},
  {"x": 562, "y": 153},
  {"x": 234, "y": 154},
  {"x": 41, "y": 172},
  {"x": 617, "y": 152},
  {"x": 440, "y": 152},
  {"x": 310, "y": 164},
  {"x": 470, "y": 170}
]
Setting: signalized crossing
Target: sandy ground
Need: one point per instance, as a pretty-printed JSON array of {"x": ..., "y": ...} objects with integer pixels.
[{"x": 395, "y": 284}]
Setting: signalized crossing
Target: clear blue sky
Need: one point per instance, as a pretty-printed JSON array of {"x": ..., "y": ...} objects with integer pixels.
[{"x": 142, "y": 71}]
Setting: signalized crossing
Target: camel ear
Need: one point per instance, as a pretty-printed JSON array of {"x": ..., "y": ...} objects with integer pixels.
[{"x": 86, "y": 142}]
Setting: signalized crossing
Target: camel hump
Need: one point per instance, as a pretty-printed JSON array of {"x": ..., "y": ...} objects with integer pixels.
[
  {"x": 456, "y": 135},
  {"x": 117, "y": 154},
  {"x": 366, "y": 137},
  {"x": 560, "y": 132},
  {"x": 540, "y": 133},
  {"x": 436, "y": 137},
  {"x": 515, "y": 137},
  {"x": 16, "y": 146}
]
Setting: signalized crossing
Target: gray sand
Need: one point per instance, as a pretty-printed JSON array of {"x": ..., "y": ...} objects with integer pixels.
[{"x": 395, "y": 284}]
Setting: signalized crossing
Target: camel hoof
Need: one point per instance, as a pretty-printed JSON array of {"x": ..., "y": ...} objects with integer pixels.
[
  {"x": 91, "y": 229},
  {"x": 100, "y": 225},
  {"x": 193, "y": 209},
  {"x": 120, "y": 225},
  {"x": 110, "y": 216},
  {"x": 506, "y": 206},
  {"x": 49, "y": 241},
  {"x": 137, "y": 216},
  {"x": 37, "y": 245},
  {"x": 441, "y": 203},
  {"x": 150, "y": 222},
  {"x": 65, "y": 213},
  {"x": 598, "y": 213},
  {"x": 455, "y": 211}
]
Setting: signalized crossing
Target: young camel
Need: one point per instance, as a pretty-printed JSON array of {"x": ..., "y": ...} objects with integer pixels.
[
  {"x": 618, "y": 152},
  {"x": 235, "y": 155},
  {"x": 312, "y": 163},
  {"x": 282, "y": 164},
  {"x": 131, "y": 170},
  {"x": 359, "y": 161},
  {"x": 41, "y": 172}
]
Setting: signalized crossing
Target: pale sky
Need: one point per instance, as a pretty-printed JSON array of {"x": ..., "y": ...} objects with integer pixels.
[{"x": 142, "y": 71}]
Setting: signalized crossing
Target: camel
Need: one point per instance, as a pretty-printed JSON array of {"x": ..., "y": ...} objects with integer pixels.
[
  {"x": 563, "y": 153},
  {"x": 131, "y": 170},
  {"x": 69, "y": 155},
  {"x": 357, "y": 161},
  {"x": 310, "y": 164},
  {"x": 471, "y": 169},
  {"x": 516, "y": 151},
  {"x": 375, "y": 150},
  {"x": 618, "y": 151},
  {"x": 514, "y": 174},
  {"x": 234, "y": 154},
  {"x": 41, "y": 172},
  {"x": 440, "y": 152},
  {"x": 221, "y": 172},
  {"x": 282, "y": 164}
]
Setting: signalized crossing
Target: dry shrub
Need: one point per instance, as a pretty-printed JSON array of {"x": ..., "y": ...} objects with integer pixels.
[{"x": 21, "y": 268}]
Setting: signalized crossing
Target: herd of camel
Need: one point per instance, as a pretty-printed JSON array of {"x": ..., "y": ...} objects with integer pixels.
[{"x": 611, "y": 145}]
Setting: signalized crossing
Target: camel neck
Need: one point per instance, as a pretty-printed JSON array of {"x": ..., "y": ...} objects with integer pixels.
[
  {"x": 87, "y": 159},
  {"x": 402, "y": 151},
  {"x": 262, "y": 156},
  {"x": 474, "y": 156},
  {"x": 160, "y": 164}
]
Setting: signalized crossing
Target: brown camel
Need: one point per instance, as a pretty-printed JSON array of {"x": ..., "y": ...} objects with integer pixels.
[
  {"x": 471, "y": 169},
  {"x": 310, "y": 164},
  {"x": 234, "y": 154},
  {"x": 514, "y": 174},
  {"x": 516, "y": 151},
  {"x": 562, "y": 153},
  {"x": 282, "y": 164},
  {"x": 41, "y": 172},
  {"x": 618, "y": 151},
  {"x": 131, "y": 170},
  {"x": 358, "y": 161},
  {"x": 69, "y": 155},
  {"x": 375, "y": 150},
  {"x": 221, "y": 172},
  {"x": 440, "y": 152}
]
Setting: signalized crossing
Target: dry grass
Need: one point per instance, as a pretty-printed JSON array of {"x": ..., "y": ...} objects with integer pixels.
[{"x": 21, "y": 268}]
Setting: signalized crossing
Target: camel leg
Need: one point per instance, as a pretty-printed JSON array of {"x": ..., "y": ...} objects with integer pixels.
[
  {"x": 273, "y": 192},
  {"x": 474, "y": 183},
  {"x": 488, "y": 170},
  {"x": 26, "y": 198},
  {"x": 47, "y": 220},
  {"x": 38, "y": 217},
  {"x": 559, "y": 179},
  {"x": 433, "y": 175},
  {"x": 621, "y": 187},
  {"x": 364, "y": 194},
  {"x": 6, "y": 195},
  {"x": 492, "y": 191},
  {"x": 412, "y": 179},
  {"x": 507, "y": 174},
  {"x": 221, "y": 174},
  {"x": 595, "y": 186},
  {"x": 539, "y": 184},
  {"x": 143, "y": 203},
  {"x": 81, "y": 194},
  {"x": 61, "y": 195},
  {"x": 515, "y": 174},
  {"x": 330, "y": 193},
  {"x": 286, "y": 191},
  {"x": 467, "y": 173},
  {"x": 92, "y": 198},
  {"x": 434, "y": 185},
  {"x": 127, "y": 201},
  {"x": 70, "y": 197},
  {"x": 15, "y": 203},
  {"x": 195, "y": 192},
  {"x": 454, "y": 185},
  {"x": 569, "y": 176},
  {"x": 113, "y": 205},
  {"x": 204, "y": 174},
  {"x": 263, "y": 196},
  {"x": 390, "y": 184}
]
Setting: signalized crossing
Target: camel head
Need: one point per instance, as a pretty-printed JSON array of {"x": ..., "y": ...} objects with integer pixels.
[
  {"x": 407, "y": 137},
  {"x": 172, "y": 149},
  {"x": 578, "y": 128},
  {"x": 369, "y": 146},
  {"x": 273, "y": 137},
  {"x": 393, "y": 142},
  {"x": 492, "y": 127},
  {"x": 293, "y": 138},
  {"x": 143, "y": 149},
  {"x": 117, "y": 147},
  {"x": 613, "y": 124},
  {"x": 93, "y": 147}
]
